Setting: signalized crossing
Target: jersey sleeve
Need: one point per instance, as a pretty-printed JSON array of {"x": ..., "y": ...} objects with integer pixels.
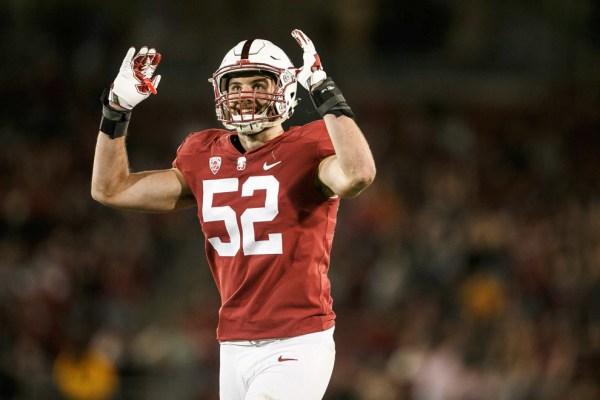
[
  {"x": 324, "y": 149},
  {"x": 177, "y": 161},
  {"x": 188, "y": 154},
  {"x": 318, "y": 132}
]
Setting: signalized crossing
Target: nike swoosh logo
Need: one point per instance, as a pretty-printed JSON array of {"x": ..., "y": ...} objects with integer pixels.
[
  {"x": 267, "y": 167},
  {"x": 281, "y": 359}
]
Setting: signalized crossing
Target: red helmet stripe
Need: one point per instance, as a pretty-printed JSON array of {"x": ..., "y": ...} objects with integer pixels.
[{"x": 246, "y": 49}]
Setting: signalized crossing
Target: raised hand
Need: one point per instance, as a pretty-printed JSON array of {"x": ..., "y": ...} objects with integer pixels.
[
  {"x": 311, "y": 72},
  {"x": 134, "y": 83}
]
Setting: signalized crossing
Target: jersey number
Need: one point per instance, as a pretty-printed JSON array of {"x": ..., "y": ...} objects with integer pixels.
[{"x": 243, "y": 235}]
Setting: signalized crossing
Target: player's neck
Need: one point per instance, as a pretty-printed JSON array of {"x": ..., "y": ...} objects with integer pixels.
[{"x": 254, "y": 141}]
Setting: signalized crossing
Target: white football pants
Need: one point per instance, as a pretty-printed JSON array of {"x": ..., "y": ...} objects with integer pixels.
[{"x": 297, "y": 368}]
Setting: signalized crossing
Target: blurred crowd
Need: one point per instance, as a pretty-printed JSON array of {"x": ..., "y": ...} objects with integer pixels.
[{"x": 469, "y": 270}]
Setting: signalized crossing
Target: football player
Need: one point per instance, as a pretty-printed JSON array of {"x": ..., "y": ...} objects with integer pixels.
[{"x": 267, "y": 202}]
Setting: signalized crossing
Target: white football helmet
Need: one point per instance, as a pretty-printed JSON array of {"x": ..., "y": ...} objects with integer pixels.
[{"x": 264, "y": 58}]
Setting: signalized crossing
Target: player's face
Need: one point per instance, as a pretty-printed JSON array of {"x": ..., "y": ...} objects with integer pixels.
[{"x": 245, "y": 97}]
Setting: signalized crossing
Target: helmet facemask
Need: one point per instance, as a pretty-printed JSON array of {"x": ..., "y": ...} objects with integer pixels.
[{"x": 251, "y": 111}]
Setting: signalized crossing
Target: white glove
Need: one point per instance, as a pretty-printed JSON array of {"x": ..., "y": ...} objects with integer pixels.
[
  {"x": 312, "y": 72},
  {"x": 134, "y": 82}
]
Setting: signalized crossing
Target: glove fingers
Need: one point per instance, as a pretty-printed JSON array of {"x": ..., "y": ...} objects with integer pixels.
[
  {"x": 135, "y": 81},
  {"x": 304, "y": 41},
  {"x": 143, "y": 51},
  {"x": 149, "y": 58},
  {"x": 156, "y": 81},
  {"x": 311, "y": 72},
  {"x": 301, "y": 38},
  {"x": 140, "y": 59},
  {"x": 297, "y": 34},
  {"x": 128, "y": 57},
  {"x": 147, "y": 64},
  {"x": 154, "y": 58}
]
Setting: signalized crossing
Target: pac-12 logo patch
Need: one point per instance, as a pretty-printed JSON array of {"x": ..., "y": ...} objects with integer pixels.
[{"x": 215, "y": 164}]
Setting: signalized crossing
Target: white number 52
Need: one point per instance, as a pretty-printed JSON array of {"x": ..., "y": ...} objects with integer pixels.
[{"x": 245, "y": 236}]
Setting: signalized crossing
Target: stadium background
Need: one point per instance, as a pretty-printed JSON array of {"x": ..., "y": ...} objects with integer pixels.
[{"x": 469, "y": 270}]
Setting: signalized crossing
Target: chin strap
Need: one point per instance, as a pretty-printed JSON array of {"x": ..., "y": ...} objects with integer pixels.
[{"x": 328, "y": 99}]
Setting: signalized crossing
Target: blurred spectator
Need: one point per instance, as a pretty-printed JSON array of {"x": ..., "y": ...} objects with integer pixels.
[{"x": 85, "y": 374}]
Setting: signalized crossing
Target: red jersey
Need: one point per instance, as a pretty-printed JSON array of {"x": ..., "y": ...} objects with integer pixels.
[{"x": 268, "y": 229}]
